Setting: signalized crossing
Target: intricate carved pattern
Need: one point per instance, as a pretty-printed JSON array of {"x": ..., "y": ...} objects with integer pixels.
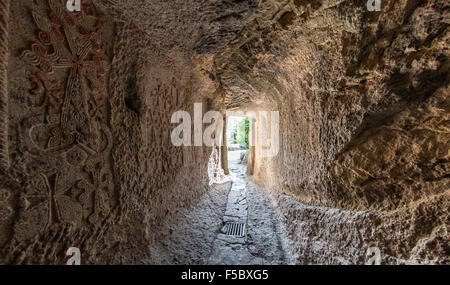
[
  {"x": 5, "y": 209},
  {"x": 158, "y": 148},
  {"x": 67, "y": 142},
  {"x": 51, "y": 90},
  {"x": 69, "y": 41},
  {"x": 85, "y": 197},
  {"x": 4, "y": 15}
]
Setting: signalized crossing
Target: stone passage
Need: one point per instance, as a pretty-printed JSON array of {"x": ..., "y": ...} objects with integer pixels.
[
  {"x": 248, "y": 235},
  {"x": 86, "y": 152},
  {"x": 192, "y": 234}
]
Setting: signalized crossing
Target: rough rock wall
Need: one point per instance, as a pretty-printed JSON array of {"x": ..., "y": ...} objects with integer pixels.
[
  {"x": 363, "y": 101},
  {"x": 322, "y": 235},
  {"x": 163, "y": 63},
  {"x": 364, "y": 109},
  {"x": 59, "y": 184},
  {"x": 160, "y": 179},
  {"x": 4, "y": 40},
  {"x": 90, "y": 97}
]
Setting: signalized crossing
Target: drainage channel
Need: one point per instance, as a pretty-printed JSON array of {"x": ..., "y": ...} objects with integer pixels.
[
  {"x": 230, "y": 247},
  {"x": 235, "y": 218},
  {"x": 234, "y": 229}
]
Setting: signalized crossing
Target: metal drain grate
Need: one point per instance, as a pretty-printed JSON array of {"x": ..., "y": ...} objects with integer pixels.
[{"x": 235, "y": 229}]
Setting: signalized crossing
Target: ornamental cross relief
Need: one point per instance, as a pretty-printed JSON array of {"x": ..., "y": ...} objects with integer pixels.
[
  {"x": 66, "y": 42},
  {"x": 69, "y": 70}
]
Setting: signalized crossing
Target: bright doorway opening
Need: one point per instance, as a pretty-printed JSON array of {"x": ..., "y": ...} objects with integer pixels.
[{"x": 238, "y": 129}]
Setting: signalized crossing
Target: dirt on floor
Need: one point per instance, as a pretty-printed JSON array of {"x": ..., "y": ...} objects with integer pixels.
[
  {"x": 192, "y": 238},
  {"x": 249, "y": 204},
  {"x": 198, "y": 236}
]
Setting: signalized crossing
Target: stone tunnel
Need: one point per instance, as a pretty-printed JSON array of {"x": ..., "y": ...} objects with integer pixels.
[{"x": 87, "y": 158}]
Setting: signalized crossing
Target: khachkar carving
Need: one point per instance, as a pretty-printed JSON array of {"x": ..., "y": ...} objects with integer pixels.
[
  {"x": 67, "y": 140},
  {"x": 4, "y": 15}
]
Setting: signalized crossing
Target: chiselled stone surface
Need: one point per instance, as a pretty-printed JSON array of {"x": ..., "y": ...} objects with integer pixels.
[
  {"x": 363, "y": 102},
  {"x": 4, "y": 40},
  {"x": 90, "y": 98},
  {"x": 86, "y": 158},
  {"x": 250, "y": 205}
]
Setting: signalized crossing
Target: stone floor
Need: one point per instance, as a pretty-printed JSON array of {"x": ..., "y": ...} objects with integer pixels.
[
  {"x": 251, "y": 205},
  {"x": 198, "y": 238}
]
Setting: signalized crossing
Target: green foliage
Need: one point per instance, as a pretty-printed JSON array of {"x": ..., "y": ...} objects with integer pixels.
[
  {"x": 243, "y": 131},
  {"x": 239, "y": 134}
]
